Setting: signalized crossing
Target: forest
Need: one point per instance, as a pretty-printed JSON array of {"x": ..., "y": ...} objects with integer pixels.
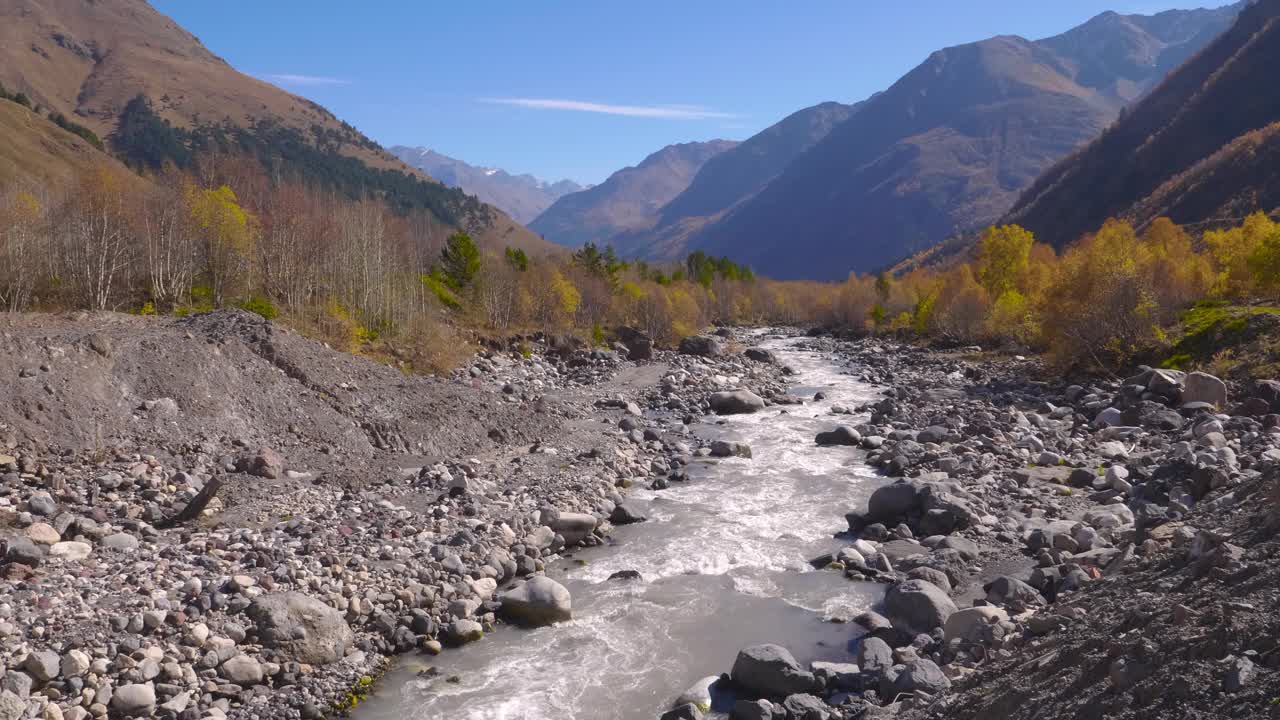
[{"x": 375, "y": 262}]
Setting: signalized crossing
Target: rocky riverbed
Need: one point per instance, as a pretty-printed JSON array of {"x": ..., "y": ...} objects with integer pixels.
[{"x": 212, "y": 517}]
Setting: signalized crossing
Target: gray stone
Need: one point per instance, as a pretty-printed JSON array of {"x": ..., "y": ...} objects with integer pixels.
[
  {"x": 12, "y": 707},
  {"x": 22, "y": 551},
  {"x": 302, "y": 628},
  {"x": 701, "y": 346},
  {"x": 752, "y": 710},
  {"x": 842, "y": 435},
  {"x": 625, "y": 514},
  {"x": 892, "y": 501},
  {"x": 761, "y": 355},
  {"x": 266, "y": 463},
  {"x": 43, "y": 665},
  {"x": 874, "y": 655},
  {"x": 973, "y": 624},
  {"x": 120, "y": 541},
  {"x": 461, "y": 632},
  {"x": 537, "y": 602},
  {"x": 699, "y": 694},
  {"x": 1013, "y": 593},
  {"x": 919, "y": 604},
  {"x": 726, "y": 448},
  {"x": 242, "y": 670},
  {"x": 735, "y": 402},
  {"x": 803, "y": 706},
  {"x": 74, "y": 663},
  {"x": 1203, "y": 387},
  {"x": 574, "y": 527},
  {"x": 41, "y": 503},
  {"x": 71, "y": 550},
  {"x": 924, "y": 675},
  {"x": 771, "y": 670},
  {"x": 134, "y": 700},
  {"x": 842, "y": 676},
  {"x": 932, "y": 434}
]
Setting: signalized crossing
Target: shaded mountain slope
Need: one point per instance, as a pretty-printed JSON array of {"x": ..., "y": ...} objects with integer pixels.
[
  {"x": 630, "y": 199},
  {"x": 1188, "y": 150}
]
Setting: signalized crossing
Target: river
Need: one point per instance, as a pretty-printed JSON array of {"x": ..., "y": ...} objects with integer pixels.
[{"x": 723, "y": 559}]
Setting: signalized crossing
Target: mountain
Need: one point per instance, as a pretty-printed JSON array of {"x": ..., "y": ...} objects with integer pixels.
[
  {"x": 523, "y": 197},
  {"x": 630, "y": 199},
  {"x": 951, "y": 144},
  {"x": 730, "y": 178},
  {"x": 89, "y": 61},
  {"x": 1201, "y": 147}
]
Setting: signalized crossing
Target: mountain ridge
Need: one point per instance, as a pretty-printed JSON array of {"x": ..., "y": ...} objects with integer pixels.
[
  {"x": 522, "y": 196},
  {"x": 1195, "y": 149},
  {"x": 949, "y": 146},
  {"x": 629, "y": 199}
]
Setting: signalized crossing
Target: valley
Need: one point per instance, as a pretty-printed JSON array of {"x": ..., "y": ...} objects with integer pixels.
[{"x": 953, "y": 394}]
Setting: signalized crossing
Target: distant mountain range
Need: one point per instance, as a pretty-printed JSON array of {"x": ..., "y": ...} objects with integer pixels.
[
  {"x": 1203, "y": 147},
  {"x": 629, "y": 200},
  {"x": 948, "y": 147},
  {"x": 523, "y": 197}
]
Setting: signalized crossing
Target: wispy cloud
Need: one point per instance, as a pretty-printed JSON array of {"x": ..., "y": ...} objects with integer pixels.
[
  {"x": 668, "y": 112},
  {"x": 303, "y": 80}
]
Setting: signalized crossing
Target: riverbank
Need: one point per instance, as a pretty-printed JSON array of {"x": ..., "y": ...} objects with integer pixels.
[
  {"x": 1052, "y": 549},
  {"x": 358, "y": 513},
  {"x": 352, "y": 512}
]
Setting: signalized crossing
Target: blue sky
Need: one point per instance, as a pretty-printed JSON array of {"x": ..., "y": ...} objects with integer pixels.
[{"x": 573, "y": 89}]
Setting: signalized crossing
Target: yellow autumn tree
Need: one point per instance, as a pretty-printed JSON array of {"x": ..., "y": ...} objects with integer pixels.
[
  {"x": 1231, "y": 250},
  {"x": 1003, "y": 255},
  {"x": 228, "y": 234}
]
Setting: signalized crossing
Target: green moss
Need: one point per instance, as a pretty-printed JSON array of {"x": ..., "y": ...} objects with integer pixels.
[{"x": 1210, "y": 326}]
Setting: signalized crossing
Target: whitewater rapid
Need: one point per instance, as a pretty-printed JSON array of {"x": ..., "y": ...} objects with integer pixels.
[{"x": 724, "y": 561}]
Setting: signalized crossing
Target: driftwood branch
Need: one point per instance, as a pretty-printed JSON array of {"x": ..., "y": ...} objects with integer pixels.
[{"x": 193, "y": 508}]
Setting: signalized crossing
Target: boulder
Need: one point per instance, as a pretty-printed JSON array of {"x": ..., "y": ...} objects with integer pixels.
[
  {"x": 973, "y": 624},
  {"x": 42, "y": 665},
  {"x": 574, "y": 527},
  {"x": 725, "y": 448},
  {"x": 699, "y": 694},
  {"x": 1203, "y": 387},
  {"x": 874, "y": 655},
  {"x": 803, "y": 706},
  {"x": 639, "y": 345},
  {"x": 842, "y": 435},
  {"x": 624, "y": 514},
  {"x": 537, "y": 602},
  {"x": 71, "y": 550},
  {"x": 242, "y": 670},
  {"x": 13, "y": 707},
  {"x": 735, "y": 402},
  {"x": 21, "y": 550},
  {"x": 919, "y": 604},
  {"x": 761, "y": 355},
  {"x": 752, "y": 710},
  {"x": 300, "y": 627},
  {"x": 461, "y": 632},
  {"x": 702, "y": 346},
  {"x": 890, "y": 502},
  {"x": 923, "y": 675},
  {"x": 841, "y": 676},
  {"x": 1012, "y": 593},
  {"x": 932, "y": 434},
  {"x": 266, "y": 463},
  {"x": 134, "y": 700},
  {"x": 771, "y": 670}
]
